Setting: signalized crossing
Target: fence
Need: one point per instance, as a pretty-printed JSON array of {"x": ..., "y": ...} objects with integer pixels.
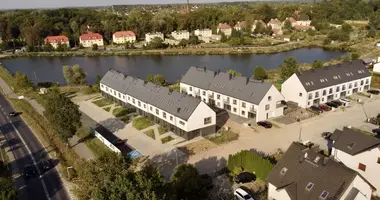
[{"x": 105, "y": 141}]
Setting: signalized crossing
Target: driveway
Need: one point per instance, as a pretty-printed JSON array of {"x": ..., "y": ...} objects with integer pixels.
[{"x": 269, "y": 140}]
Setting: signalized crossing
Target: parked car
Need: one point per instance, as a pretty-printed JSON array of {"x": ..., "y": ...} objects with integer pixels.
[
  {"x": 207, "y": 181},
  {"x": 339, "y": 103},
  {"x": 245, "y": 177},
  {"x": 242, "y": 194},
  {"x": 264, "y": 124},
  {"x": 325, "y": 107},
  {"x": 344, "y": 101},
  {"x": 45, "y": 165},
  {"x": 12, "y": 114},
  {"x": 376, "y": 131},
  {"x": 30, "y": 171},
  {"x": 332, "y": 104},
  {"x": 375, "y": 92},
  {"x": 316, "y": 109}
]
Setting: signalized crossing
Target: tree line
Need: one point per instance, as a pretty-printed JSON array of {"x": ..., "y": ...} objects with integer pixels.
[{"x": 30, "y": 27}]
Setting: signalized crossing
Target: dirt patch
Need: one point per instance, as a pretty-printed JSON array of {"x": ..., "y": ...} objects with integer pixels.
[
  {"x": 257, "y": 189},
  {"x": 197, "y": 147}
]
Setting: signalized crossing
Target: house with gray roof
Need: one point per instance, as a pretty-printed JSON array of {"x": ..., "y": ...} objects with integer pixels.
[
  {"x": 317, "y": 86},
  {"x": 303, "y": 173},
  {"x": 358, "y": 151},
  {"x": 186, "y": 116},
  {"x": 239, "y": 95}
]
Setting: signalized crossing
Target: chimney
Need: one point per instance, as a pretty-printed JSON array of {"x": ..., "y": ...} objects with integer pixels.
[
  {"x": 325, "y": 160},
  {"x": 178, "y": 109}
]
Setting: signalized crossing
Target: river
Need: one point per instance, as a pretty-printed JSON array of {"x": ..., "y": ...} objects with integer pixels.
[{"x": 49, "y": 69}]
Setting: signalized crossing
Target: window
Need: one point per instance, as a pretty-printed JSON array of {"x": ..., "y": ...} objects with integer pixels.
[
  {"x": 343, "y": 87},
  {"x": 378, "y": 160},
  {"x": 350, "y": 86},
  {"x": 367, "y": 81},
  {"x": 283, "y": 171},
  {"x": 190, "y": 89},
  {"x": 300, "y": 94},
  {"x": 235, "y": 110},
  {"x": 151, "y": 108},
  {"x": 243, "y": 104},
  {"x": 171, "y": 118},
  {"x": 182, "y": 123},
  {"x": 269, "y": 98},
  {"x": 234, "y": 101},
  {"x": 324, "y": 93},
  {"x": 102, "y": 86},
  {"x": 204, "y": 100},
  {"x": 267, "y": 107},
  {"x": 361, "y": 82},
  {"x": 123, "y": 96},
  {"x": 114, "y": 92},
  {"x": 218, "y": 96},
  {"x": 119, "y": 95},
  {"x": 218, "y": 104},
  {"x": 107, "y": 89},
  {"x": 316, "y": 94},
  {"x": 324, "y": 194},
  {"x": 129, "y": 98},
  {"x": 309, "y": 186},
  {"x": 362, "y": 167},
  {"x": 164, "y": 115},
  {"x": 133, "y": 100},
  {"x": 330, "y": 91},
  {"x": 337, "y": 89},
  {"x": 204, "y": 93},
  {"x": 207, "y": 120},
  {"x": 308, "y": 103},
  {"x": 243, "y": 112},
  {"x": 310, "y": 96},
  {"x": 144, "y": 105},
  {"x": 139, "y": 103},
  {"x": 157, "y": 111},
  {"x": 356, "y": 84}
]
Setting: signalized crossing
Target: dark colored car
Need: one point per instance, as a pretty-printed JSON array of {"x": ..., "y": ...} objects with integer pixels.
[
  {"x": 118, "y": 142},
  {"x": 331, "y": 104},
  {"x": 375, "y": 92},
  {"x": 265, "y": 124},
  {"x": 316, "y": 109},
  {"x": 325, "y": 107},
  {"x": 245, "y": 177},
  {"x": 30, "y": 171},
  {"x": 207, "y": 181},
  {"x": 376, "y": 131},
  {"x": 339, "y": 103},
  {"x": 45, "y": 165},
  {"x": 12, "y": 114}
]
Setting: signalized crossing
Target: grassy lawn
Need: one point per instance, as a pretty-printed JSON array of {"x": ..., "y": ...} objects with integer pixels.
[
  {"x": 375, "y": 81},
  {"x": 141, "y": 123},
  {"x": 224, "y": 137},
  {"x": 166, "y": 139},
  {"x": 150, "y": 133},
  {"x": 161, "y": 130},
  {"x": 93, "y": 143},
  {"x": 107, "y": 108},
  {"x": 126, "y": 119},
  {"x": 102, "y": 102},
  {"x": 121, "y": 111}
]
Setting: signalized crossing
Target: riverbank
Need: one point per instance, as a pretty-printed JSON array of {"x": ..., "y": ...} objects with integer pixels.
[{"x": 187, "y": 51}]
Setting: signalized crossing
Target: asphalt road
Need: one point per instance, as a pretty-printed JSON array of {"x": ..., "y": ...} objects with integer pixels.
[{"x": 28, "y": 150}]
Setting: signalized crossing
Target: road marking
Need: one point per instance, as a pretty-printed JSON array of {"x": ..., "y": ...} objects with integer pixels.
[{"x": 34, "y": 161}]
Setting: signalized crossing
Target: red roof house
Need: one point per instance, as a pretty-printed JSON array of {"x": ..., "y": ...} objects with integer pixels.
[
  {"x": 56, "y": 39},
  {"x": 120, "y": 34},
  {"x": 223, "y": 26},
  {"x": 91, "y": 36}
]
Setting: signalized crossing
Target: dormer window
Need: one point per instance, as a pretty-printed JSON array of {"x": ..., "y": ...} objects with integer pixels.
[
  {"x": 351, "y": 145},
  {"x": 284, "y": 170},
  {"x": 317, "y": 159},
  {"x": 324, "y": 194},
  {"x": 309, "y": 186}
]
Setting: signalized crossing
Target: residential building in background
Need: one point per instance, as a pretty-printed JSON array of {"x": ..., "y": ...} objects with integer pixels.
[
  {"x": 255, "y": 23},
  {"x": 149, "y": 36},
  {"x": 275, "y": 24},
  {"x": 304, "y": 173},
  {"x": 376, "y": 65},
  {"x": 185, "y": 116},
  {"x": 179, "y": 35},
  {"x": 203, "y": 32},
  {"x": 54, "y": 41},
  {"x": 291, "y": 20},
  {"x": 303, "y": 22},
  {"x": 224, "y": 28},
  {"x": 317, "y": 86},
  {"x": 303, "y": 27},
  {"x": 239, "y": 95},
  {"x": 89, "y": 39},
  {"x": 240, "y": 25},
  {"x": 358, "y": 151},
  {"x": 122, "y": 37}
]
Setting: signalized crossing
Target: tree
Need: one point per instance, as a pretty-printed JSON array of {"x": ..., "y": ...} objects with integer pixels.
[
  {"x": 95, "y": 47},
  {"x": 288, "y": 68},
  {"x": 347, "y": 28},
  {"x": 260, "y": 73},
  {"x": 374, "y": 20},
  {"x": 157, "y": 79},
  {"x": 62, "y": 113},
  {"x": 74, "y": 75},
  {"x": 96, "y": 85},
  {"x": 233, "y": 72},
  {"x": 371, "y": 32},
  {"x": 193, "y": 40},
  {"x": 22, "y": 81},
  {"x": 183, "y": 43},
  {"x": 317, "y": 64},
  {"x": 223, "y": 37},
  {"x": 7, "y": 190},
  {"x": 186, "y": 183},
  {"x": 355, "y": 56},
  {"x": 288, "y": 25},
  {"x": 157, "y": 43}
]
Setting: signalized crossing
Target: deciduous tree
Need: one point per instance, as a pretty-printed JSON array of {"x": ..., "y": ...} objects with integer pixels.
[
  {"x": 22, "y": 81},
  {"x": 233, "y": 72},
  {"x": 260, "y": 73},
  {"x": 317, "y": 64},
  {"x": 157, "y": 79},
  {"x": 74, "y": 75},
  {"x": 288, "y": 68}
]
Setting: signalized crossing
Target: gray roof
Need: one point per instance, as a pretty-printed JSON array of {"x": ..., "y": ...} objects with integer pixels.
[
  {"x": 238, "y": 87},
  {"x": 353, "y": 141},
  {"x": 175, "y": 103},
  {"x": 303, "y": 168},
  {"x": 367, "y": 60},
  {"x": 315, "y": 79}
]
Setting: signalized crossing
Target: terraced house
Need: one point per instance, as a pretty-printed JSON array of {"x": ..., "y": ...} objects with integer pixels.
[
  {"x": 186, "y": 116},
  {"x": 239, "y": 95},
  {"x": 321, "y": 85}
]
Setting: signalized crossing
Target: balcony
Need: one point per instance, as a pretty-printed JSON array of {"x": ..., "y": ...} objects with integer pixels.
[
  {"x": 197, "y": 93},
  {"x": 252, "y": 110},
  {"x": 280, "y": 104},
  {"x": 226, "y": 101},
  {"x": 211, "y": 96}
]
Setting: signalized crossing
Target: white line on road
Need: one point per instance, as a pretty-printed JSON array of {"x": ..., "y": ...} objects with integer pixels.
[{"x": 34, "y": 161}]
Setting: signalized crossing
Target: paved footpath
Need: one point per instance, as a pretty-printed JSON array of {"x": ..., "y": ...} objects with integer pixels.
[{"x": 270, "y": 140}]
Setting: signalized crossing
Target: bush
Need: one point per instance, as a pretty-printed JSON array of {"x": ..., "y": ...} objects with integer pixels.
[
  {"x": 150, "y": 133},
  {"x": 161, "y": 130},
  {"x": 166, "y": 139},
  {"x": 107, "y": 108},
  {"x": 126, "y": 119},
  {"x": 256, "y": 163},
  {"x": 92, "y": 142},
  {"x": 102, "y": 102},
  {"x": 224, "y": 137},
  {"x": 141, "y": 123},
  {"x": 119, "y": 112}
]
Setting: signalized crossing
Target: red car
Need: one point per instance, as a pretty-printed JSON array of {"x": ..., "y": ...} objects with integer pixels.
[{"x": 325, "y": 107}]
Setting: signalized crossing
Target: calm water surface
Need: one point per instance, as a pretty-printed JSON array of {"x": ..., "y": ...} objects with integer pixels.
[{"x": 49, "y": 69}]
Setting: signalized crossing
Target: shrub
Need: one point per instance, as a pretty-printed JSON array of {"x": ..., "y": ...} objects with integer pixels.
[
  {"x": 150, "y": 133},
  {"x": 107, "y": 108},
  {"x": 161, "y": 130},
  {"x": 166, "y": 139},
  {"x": 119, "y": 112},
  {"x": 141, "y": 123},
  {"x": 102, "y": 102},
  {"x": 224, "y": 137}
]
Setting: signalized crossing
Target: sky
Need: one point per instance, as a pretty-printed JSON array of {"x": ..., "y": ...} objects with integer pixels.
[{"x": 23, "y": 4}]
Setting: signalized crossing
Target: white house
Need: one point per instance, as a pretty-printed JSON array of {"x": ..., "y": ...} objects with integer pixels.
[
  {"x": 321, "y": 85},
  {"x": 240, "y": 25},
  {"x": 179, "y": 35},
  {"x": 376, "y": 65},
  {"x": 224, "y": 28},
  {"x": 304, "y": 173},
  {"x": 358, "y": 151},
  {"x": 303, "y": 23},
  {"x": 203, "y": 32},
  {"x": 275, "y": 24},
  {"x": 240, "y": 95},
  {"x": 89, "y": 39},
  {"x": 122, "y": 37},
  {"x": 255, "y": 23},
  {"x": 149, "y": 36},
  {"x": 54, "y": 41},
  {"x": 185, "y": 116},
  {"x": 291, "y": 20}
]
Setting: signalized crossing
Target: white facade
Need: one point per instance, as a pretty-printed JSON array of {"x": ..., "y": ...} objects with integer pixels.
[
  {"x": 149, "y": 36},
  {"x": 91, "y": 42},
  {"x": 376, "y": 67},
  {"x": 123, "y": 39},
  {"x": 293, "y": 90},
  {"x": 203, "y": 32},
  {"x": 195, "y": 121},
  {"x": 303, "y": 23},
  {"x": 181, "y": 35},
  {"x": 369, "y": 158},
  {"x": 269, "y": 107},
  {"x": 56, "y": 44},
  {"x": 274, "y": 194},
  {"x": 224, "y": 28},
  {"x": 255, "y": 24}
]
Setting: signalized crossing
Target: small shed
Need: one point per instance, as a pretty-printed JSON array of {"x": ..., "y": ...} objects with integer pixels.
[
  {"x": 376, "y": 66},
  {"x": 43, "y": 90},
  {"x": 287, "y": 39}
]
